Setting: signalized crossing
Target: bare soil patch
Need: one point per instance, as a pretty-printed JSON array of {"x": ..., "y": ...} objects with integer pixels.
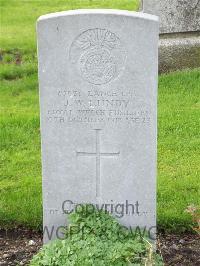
[{"x": 17, "y": 247}]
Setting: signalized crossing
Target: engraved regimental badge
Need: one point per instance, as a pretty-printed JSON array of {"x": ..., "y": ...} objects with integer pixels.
[{"x": 99, "y": 56}]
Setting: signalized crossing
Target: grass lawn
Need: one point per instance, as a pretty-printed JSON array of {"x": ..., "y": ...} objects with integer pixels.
[
  {"x": 18, "y": 17},
  {"x": 20, "y": 181}
]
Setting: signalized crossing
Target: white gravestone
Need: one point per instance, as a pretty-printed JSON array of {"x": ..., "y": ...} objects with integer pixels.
[{"x": 98, "y": 98}]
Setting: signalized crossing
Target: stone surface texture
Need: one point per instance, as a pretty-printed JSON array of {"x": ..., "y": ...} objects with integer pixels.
[
  {"x": 175, "y": 15},
  {"x": 98, "y": 98},
  {"x": 179, "y": 51}
]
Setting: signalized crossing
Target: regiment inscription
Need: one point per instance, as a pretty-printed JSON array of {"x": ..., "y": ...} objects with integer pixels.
[{"x": 111, "y": 106}]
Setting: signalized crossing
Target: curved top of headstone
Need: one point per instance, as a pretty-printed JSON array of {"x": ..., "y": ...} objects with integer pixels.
[
  {"x": 96, "y": 47},
  {"x": 117, "y": 12}
]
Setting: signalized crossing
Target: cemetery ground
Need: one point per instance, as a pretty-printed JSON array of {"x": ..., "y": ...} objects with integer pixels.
[{"x": 20, "y": 182}]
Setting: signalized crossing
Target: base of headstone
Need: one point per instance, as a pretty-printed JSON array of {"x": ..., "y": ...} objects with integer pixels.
[{"x": 179, "y": 51}]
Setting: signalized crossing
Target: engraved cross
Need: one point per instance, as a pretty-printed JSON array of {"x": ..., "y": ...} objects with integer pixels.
[{"x": 98, "y": 154}]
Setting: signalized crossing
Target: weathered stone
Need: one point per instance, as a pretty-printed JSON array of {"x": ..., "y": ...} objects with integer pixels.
[
  {"x": 179, "y": 51},
  {"x": 175, "y": 15},
  {"x": 98, "y": 97}
]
